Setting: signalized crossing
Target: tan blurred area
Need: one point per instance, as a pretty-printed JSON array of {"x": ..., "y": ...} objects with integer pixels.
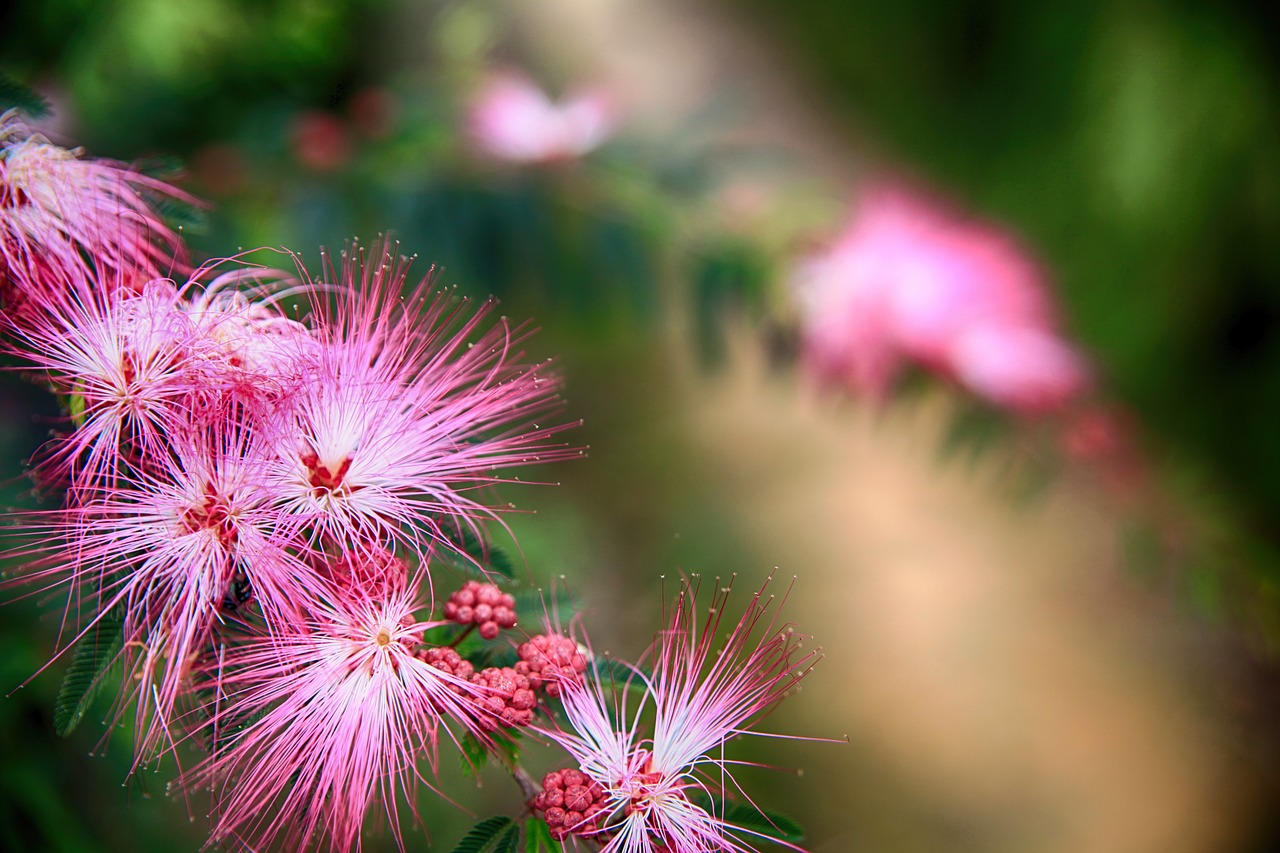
[
  {"x": 990, "y": 652},
  {"x": 991, "y": 656}
]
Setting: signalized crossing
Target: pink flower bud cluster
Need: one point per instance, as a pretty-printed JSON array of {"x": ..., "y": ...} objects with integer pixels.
[
  {"x": 507, "y": 697},
  {"x": 483, "y": 605},
  {"x": 447, "y": 660},
  {"x": 570, "y": 803},
  {"x": 503, "y": 696},
  {"x": 550, "y": 660}
]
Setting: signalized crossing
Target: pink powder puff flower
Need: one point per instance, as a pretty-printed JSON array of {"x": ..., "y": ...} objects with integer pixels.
[
  {"x": 343, "y": 707},
  {"x": 706, "y": 689},
  {"x": 127, "y": 365},
  {"x": 255, "y": 355},
  {"x": 910, "y": 281},
  {"x": 58, "y": 210},
  {"x": 137, "y": 366},
  {"x": 184, "y": 540},
  {"x": 512, "y": 119},
  {"x": 415, "y": 401}
]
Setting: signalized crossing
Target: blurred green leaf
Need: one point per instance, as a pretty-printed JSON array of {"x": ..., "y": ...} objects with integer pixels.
[
  {"x": 766, "y": 822},
  {"x": 619, "y": 673},
  {"x": 14, "y": 94},
  {"x": 763, "y": 821}
]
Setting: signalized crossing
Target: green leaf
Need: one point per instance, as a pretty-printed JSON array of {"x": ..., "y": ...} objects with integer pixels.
[
  {"x": 97, "y": 650},
  {"x": 76, "y": 406},
  {"x": 15, "y": 94},
  {"x": 537, "y": 837},
  {"x": 766, "y": 822},
  {"x": 509, "y": 841},
  {"x": 489, "y": 653},
  {"x": 492, "y": 835},
  {"x": 162, "y": 167},
  {"x": 763, "y": 821},
  {"x": 619, "y": 673},
  {"x": 476, "y": 558},
  {"x": 533, "y": 601},
  {"x": 180, "y": 214},
  {"x": 474, "y": 755}
]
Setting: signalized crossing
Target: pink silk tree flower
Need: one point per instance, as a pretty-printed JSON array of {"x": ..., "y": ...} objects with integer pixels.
[
  {"x": 60, "y": 210},
  {"x": 640, "y": 787},
  {"x": 911, "y": 281},
  {"x": 416, "y": 401},
  {"x": 127, "y": 364},
  {"x": 343, "y": 707},
  {"x": 172, "y": 549},
  {"x": 253, "y": 354},
  {"x": 512, "y": 119},
  {"x": 138, "y": 366}
]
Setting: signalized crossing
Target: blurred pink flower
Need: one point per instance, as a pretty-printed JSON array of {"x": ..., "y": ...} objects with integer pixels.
[
  {"x": 641, "y": 790},
  {"x": 221, "y": 168},
  {"x": 1022, "y": 368},
  {"x": 60, "y": 211},
  {"x": 374, "y": 112},
  {"x": 320, "y": 141},
  {"x": 908, "y": 280},
  {"x": 512, "y": 119},
  {"x": 1106, "y": 438}
]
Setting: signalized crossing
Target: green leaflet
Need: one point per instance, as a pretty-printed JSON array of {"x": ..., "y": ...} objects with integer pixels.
[
  {"x": 75, "y": 407},
  {"x": 475, "y": 755},
  {"x": 508, "y": 842},
  {"x": 532, "y": 603},
  {"x": 498, "y": 834},
  {"x": 482, "y": 557},
  {"x": 92, "y": 658},
  {"x": 537, "y": 837},
  {"x": 619, "y": 673},
  {"x": 765, "y": 822}
]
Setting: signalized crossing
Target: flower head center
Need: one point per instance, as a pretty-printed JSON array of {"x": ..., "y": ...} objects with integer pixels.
[
  {"x": 12, "y": 196},
  {"x": 326, "y": 478},
  {"x": 213, "y": 513}
]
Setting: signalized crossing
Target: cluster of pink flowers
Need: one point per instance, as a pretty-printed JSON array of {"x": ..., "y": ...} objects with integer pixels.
[
  {"x": 910, "y": 281},
  {"x": 243, "y": 487},
  {"x": 260, "y": 471}
]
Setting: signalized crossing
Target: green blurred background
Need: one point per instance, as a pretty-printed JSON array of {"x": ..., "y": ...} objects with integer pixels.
[{"x": 1133, "y": 144}]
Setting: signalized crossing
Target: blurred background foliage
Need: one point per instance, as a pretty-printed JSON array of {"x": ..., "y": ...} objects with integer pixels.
[{"x": 1134, "y": 144}]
